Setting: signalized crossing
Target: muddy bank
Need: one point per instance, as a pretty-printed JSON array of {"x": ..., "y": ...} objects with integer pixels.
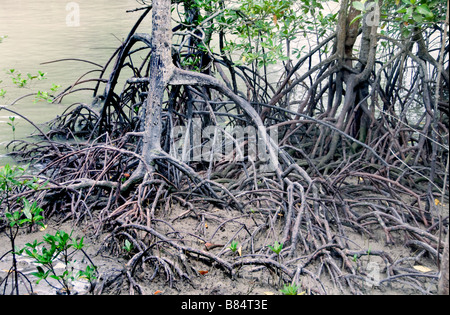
[{"x": 203, "y": 276}]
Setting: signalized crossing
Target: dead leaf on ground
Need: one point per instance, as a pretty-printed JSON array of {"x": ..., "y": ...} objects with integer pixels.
[{"x": 422, "y": 269}]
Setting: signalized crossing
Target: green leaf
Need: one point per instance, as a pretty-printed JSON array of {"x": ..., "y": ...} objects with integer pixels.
[
  {"x": 276, "y": 248},
  {"x": 22, "y": 222},
  {"x": 30, "y": 254},
  {"x": 41, "y": 274},
  {"x": 128, "y": 246},
  {"x": 19, "y": 251},
  {"x": 425, "y": 11},
  {"x": 418, "y": 18},
  {"x": 34, "y": 244},
  {"x": 359, "y": 6},
  {"x": 77, "y": 245},
  {"x": 55, "y": 277},
  {"x": 409, "y": 11},
  {"x": 89, "y": 274},
  {"x": 291, "y": 289},
  {"x": 406, "y": 32},
  {"x": 27, "y": 209},
  {"x": 39, "y": 218},
  {"x": 356, "y": 18}
]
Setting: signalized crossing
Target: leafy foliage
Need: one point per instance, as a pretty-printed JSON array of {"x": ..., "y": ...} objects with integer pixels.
[
  {"x": 15, "y": 217},
  {"x": 264, "y": 28},
  {"x": 290, "y": 289},
  {"x": 58, "y": 247}
]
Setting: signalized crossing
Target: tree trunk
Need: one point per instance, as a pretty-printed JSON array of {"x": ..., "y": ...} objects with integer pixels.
[
  {"x": 161, "y": 69},
  {"x": 163, "y": 73},
  {"x": 345, "y": 40},
  {"x": 443, "y": 281},
  {"x": 352, "y": 31}
]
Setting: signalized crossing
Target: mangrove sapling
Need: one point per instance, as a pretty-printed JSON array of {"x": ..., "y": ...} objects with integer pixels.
[
  {"x": 234, "y": 246},
  {"x": 61, "y": 247},
  {"x": 12, "y": 123},
  {"x": 27, "y": 216},
  {"x": 128, "y": 247},
  {"x": 277, "y": 248}
]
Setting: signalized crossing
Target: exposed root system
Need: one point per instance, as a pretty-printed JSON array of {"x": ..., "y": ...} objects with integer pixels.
[{"x": 333, "y": 185}]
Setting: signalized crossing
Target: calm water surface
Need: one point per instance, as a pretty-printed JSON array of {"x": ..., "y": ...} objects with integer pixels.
[{"x": 44, "y": 30}]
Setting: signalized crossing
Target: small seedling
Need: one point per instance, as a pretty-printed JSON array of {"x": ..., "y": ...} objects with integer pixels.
[
  {"x": 89, "y": 274},
  {"x": 276, "y": 248},
  {"x": 128, "y": 246},
  {"x": 41, "y": 75},
  {"x": 234, "y": 246},
  {"x": 291, "y": 289},
  {"x": 12, "y": 123}
]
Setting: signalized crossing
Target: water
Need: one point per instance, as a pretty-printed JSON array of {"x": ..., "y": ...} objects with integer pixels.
[{"x": 44, "y": 30}]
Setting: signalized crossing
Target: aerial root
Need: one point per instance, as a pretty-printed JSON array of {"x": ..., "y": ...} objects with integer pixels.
[{"x": 338, "y": 200}]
